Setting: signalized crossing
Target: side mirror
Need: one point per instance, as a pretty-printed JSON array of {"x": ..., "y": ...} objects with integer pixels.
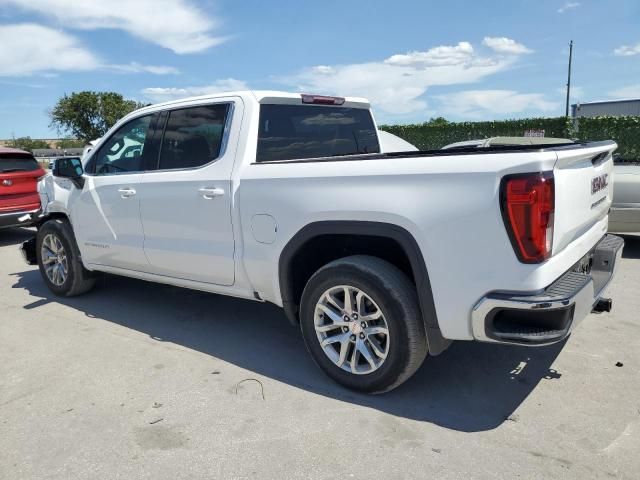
[{"x": 70, "y": 168}]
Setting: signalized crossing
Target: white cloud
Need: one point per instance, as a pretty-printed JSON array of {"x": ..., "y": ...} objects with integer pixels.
[
  {"x": 396, "y": 85},
  {"x": 630, "y": 91},
  {"x": 323, "y": 69},
  {"x": 482, "y": 103},
  {"x": 505, "y": 46},
  {"x": 568, "y": 6},
  {"x": 178, "y": 25},
  {"x": 28, "y": 49},
  {"x": 161, "y": 94},
  {"x": 135, "y": 67},
  {"x": 437, "y": 56},
  {"x": 627, "y": 50}
]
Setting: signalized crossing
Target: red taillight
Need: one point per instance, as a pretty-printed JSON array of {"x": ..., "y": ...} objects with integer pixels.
[
  {"x": 528, "y": 204},
  {"x": 40, "y": 175},
  {"x": 321, "y": 99}
]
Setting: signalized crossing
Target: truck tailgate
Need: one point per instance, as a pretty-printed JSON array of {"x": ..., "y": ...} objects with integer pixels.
[{"x": 583, "y": 190}]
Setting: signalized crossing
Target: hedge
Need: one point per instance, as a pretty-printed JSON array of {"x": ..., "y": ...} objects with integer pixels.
[
  {"x": 438, "y": 133},
  {"x": 624, "y": 130}
]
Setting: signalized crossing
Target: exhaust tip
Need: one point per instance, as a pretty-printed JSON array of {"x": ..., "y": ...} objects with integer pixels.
[{"x": 603, "y": 305}]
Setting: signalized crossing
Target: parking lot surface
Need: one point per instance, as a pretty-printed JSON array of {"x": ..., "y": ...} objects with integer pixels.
[{"x": 142, "y": 381}]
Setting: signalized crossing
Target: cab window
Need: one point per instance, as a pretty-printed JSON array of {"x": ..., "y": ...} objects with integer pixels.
[
  {"x": 123, "y": 152},
  {"x": 193, "y": 136}
]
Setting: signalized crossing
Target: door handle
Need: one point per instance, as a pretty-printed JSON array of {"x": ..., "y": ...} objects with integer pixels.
[
  {"x": 211, "y": 193},
  {"x": 126, "y": 192}
]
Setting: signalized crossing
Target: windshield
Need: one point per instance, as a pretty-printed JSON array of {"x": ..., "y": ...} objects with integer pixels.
[{"x": 312, "y": 131}]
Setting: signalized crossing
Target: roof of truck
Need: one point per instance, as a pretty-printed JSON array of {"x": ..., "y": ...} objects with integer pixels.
[{"x": 262, "y": 96}]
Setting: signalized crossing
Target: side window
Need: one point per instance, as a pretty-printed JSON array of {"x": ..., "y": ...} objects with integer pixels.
[
  {"x": 122, "y": 152},
  {"x": 193, "y": 136}
]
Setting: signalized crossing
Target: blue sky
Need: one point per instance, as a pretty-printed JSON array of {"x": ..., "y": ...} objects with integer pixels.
[{"x": 413, "y": 59}]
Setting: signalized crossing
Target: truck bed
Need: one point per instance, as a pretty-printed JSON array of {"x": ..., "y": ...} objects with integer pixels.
[{"x": 447, "y": 153}]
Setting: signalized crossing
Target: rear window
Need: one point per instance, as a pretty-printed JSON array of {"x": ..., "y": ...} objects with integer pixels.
[
  {"x": 17, "y": 164},
  {"x": 290, "y": 132}
]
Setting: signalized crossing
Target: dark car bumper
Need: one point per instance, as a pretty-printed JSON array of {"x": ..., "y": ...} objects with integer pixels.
[
  {"x": 28, "y": 251},
  {"x": 548, "y": 317},
  {"x": 19, "y": 219}
]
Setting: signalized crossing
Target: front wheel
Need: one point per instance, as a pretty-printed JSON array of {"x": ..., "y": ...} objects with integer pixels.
[
  {"x": 59, "y": 259},
  {"x": 361, "y": 322}
]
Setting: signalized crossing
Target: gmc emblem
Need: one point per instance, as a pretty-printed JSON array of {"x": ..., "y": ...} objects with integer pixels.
[
  {"x": 7, "y": 183},
  {"x": 599, "y": 183}
]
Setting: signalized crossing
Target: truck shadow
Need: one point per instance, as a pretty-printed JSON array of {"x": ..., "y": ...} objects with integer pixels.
[
  {"x": 470, "y": 387},
  {"x": 631, "y": 246},
  {"x": 15, "y": 236}
]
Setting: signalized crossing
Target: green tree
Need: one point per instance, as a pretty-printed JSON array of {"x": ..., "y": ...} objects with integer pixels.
[
  {"x": 437, "y": 121},
  {"x": 28, "y": 143},
  {"x": 88, "y": 115},
  {"x": 71, "y": 143}
]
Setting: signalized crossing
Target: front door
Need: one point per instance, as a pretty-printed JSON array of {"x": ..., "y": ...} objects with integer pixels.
[
  {"x": 186, "y": 203},
  {"x": 106, "y": 215}
]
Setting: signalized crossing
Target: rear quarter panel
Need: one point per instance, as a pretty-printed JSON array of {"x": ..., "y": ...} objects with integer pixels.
[{"x": 449, "y": 204}]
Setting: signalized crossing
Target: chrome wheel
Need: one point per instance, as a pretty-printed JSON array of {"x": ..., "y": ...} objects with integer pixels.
[
  {"x": 54, "y": 260},
  {"x": 351, "y": 329}
]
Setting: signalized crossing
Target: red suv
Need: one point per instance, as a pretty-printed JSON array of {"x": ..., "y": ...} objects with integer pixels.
[{"x": 19, "y": 198}]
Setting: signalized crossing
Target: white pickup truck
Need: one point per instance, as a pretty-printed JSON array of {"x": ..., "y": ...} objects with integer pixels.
[{"x": 382, "y": 258}]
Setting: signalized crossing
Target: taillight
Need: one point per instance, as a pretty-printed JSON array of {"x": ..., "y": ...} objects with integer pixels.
[
  {"x": 41, "y": 174},
  {"x": 528, "y": 205},
  {"x": 321, "y": 99}
]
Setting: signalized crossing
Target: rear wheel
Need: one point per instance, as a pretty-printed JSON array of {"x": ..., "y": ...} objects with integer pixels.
[
  {"x": 361, "y": 322},
  {"x": 59, "y": 260}
]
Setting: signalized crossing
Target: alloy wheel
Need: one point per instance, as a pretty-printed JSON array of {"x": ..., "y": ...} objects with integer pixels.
[
  {"x": 54, "y": 259},
  {"x": 351, "y": 329}
]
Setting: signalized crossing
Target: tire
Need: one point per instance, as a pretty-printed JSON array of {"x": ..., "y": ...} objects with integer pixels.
[
  {"x": 377, "y": 286},
  {"x": 76, "y": 280}
]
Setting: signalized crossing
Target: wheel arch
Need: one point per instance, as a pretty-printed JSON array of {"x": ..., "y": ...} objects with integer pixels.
[
  {"x": 62, "y": 215},
  {"x": 290, "y": 291},
  {"x": 29, "y": 247},
  {"x": 52, "y": 215}
]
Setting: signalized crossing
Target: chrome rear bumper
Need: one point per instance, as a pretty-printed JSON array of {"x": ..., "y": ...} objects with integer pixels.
[{"x": 548, "y": 317}]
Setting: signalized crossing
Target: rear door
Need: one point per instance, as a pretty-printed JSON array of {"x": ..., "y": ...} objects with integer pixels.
[
  {"x": 186, "y": 203},
  {"x": 583, "y": 190},
  {"x": 106, "y": 215},
  {"x": 19, "y": 175}
]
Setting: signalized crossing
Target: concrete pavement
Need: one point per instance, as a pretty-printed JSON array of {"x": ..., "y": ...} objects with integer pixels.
[{"x": 143, "y": 381}]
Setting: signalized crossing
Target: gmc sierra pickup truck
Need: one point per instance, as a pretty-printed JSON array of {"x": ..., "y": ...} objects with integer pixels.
[{"x": 381, "y": 258}]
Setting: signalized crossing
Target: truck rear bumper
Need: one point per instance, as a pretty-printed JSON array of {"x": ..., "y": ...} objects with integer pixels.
[
  {"x": 542, "y": 318},
  {"x": 19, "y": 219}
]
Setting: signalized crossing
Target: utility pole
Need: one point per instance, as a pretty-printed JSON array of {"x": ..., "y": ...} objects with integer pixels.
[{"x": 566, "y": 113}]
